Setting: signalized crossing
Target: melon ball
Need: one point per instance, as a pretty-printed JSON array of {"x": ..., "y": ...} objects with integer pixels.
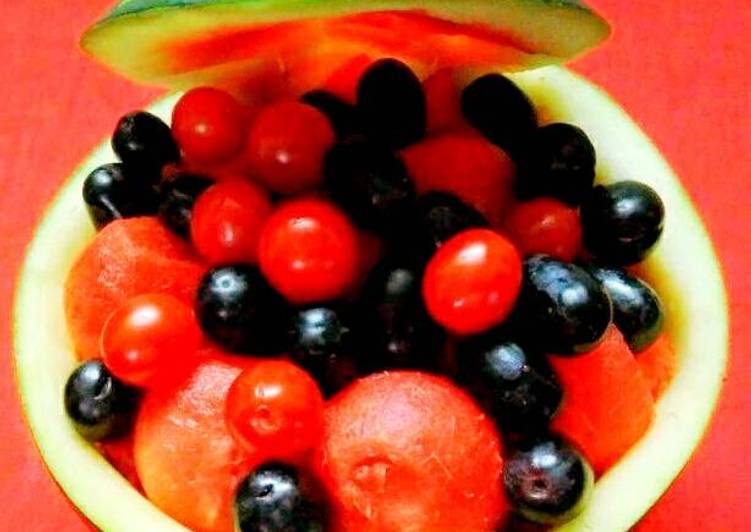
[{"x": 408, "y": 451}]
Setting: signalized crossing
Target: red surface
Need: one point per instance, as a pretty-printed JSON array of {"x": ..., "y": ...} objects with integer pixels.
[{"x": 680, "y": 68}]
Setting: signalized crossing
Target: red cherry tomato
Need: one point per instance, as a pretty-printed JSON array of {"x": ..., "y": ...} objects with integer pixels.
[
  {"x": 150, "y": 339},
  {"x": 545, "y": 225},
  {"x": 209, "y": 125},
  {"x": 286, "y": 146},
  {"x": 276, "y": 410},
  {"x": 466, "y": 165},
  {"x": 472, "y": 281},
  {"x": 442, "y": 98},
  {"x": 309, "y": 251},
  {"x": 227, "y": 221}
]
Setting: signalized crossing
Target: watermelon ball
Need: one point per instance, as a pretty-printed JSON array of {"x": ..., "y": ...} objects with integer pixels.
[
  {"x": 472, "y": 282},
  {"x": 239, "y": 311},
  {"x": 275, "y": 409},
  {"x": 143, "y": 142},
  {"x": 150, "y": 338},
  {"x": 437, "y": 217},
  {"x": 209, "y": 125},
  {"x": 371, "y": 184},
  {"x": 188, "y": 462},
  {"x": 559, "y": 161},
  {"x": 391, "y": 102},
  {"x": 227, "y": 220},
  {"x": 342, "y": 115},
  {"x": 622, "y": 222},
  {"x": 395, "y": 330},
  {"x": 321, "y": 342},
  {"x": 637, "y": 309},
  {"x": 99, "y": 405},
  {"x": 496, "y": 107},
  {"x": 561, "y": 308},
  {"x": 112, "y": 191},
  {"x": 408, "y": 447},
  {"x": 277, "y": 497},
  {"x": 286, "y": 144},
  {"x": 127, "y": 258},
  {"x": 547, "y": 480},
  {"x": 308, "y": 251},
  {"x": 517, "y": 386},
  {"x": 467, "y": 166},
  {"x": 545, "y": 225},
  {"x": 177, "y": 195}
]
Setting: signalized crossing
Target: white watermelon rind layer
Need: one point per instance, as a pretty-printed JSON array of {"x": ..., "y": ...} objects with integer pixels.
[{"x": 684, "y": 270}]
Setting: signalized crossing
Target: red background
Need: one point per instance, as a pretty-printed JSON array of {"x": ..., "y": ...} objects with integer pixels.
[{"x": 678, "y": 67}]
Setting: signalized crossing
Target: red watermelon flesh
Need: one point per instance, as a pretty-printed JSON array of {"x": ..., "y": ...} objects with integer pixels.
[
  {"x": 410, "y": 451},
  {"x": 343, "y": 80},
  {"x": 658, "y": 364},
  {"x": 607, "y": 402},
  {"x": 128, "y": 257},
  {"x": 443, "y": 102},
  {"x": 187, "y": 461},
  {"x": 466, "y": 165},
  {"x": 314, "y": 47},
  {"x": 119, "y": 453}
]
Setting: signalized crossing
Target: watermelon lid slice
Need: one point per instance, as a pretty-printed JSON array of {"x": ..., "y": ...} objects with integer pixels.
[{"x": 183, "y": 43}]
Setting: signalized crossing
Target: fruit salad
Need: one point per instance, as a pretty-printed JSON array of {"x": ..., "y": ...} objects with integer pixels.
[
  {"x": 377, "y": 296},
  {"x": 362, "y": 308}
]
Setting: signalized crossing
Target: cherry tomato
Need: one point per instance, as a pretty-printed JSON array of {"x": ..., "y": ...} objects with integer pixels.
[
  {"x": 472, "y": 281},
  {"x": 227, "y": 221},
  {"x": 209, "y": 125},
  {"x": 276, "y": 410},
  {"x": 286, "y": 146},
  {"x": 466, "y": 165},
  {"x": 443, "y": 100},
  {"x": 151, "y": 338},
  {"x": 545, "y": 225},
  {"x": 309, "y": 251}
]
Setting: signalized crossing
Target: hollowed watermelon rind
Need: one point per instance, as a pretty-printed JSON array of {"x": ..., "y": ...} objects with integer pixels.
[
  {"x": 693, "y": 292},
  {"x": 181, "y": 43}
]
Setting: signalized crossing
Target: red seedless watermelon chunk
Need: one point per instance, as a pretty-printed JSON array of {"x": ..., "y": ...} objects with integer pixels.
[
  {"x": 119, "y": 453},
  {"x": 128, "y": 257},
  {"x": 187, "y": 461},
  {"x": 410, "y": 451},
  {"x": 443, "y": 101},
  {"x": 343, "y": 81},
  {"x": 607, "y": 403},
  {"x": 658, "y": 364},
  {"x": 466, "y": 165}
]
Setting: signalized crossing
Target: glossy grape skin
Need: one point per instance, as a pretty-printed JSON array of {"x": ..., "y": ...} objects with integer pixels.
[
  {"x": 238, "y": 310},
  {"x": 143, "y": 141},
  {"x": 371, "y": 184},
  {"x": 637, "y": 309},
  {"x": 561, "y": 309},
  {"x": 547, "y": 480},
  {"x": 277, "y": 498},
  {"x": 112, "y": 191},
  {"x": 558, "y": 160},
  {"x": 177, "y": 197},
  {"x": 515, "y": 385},
  {"x": 395, "y": 330},
  {"x": 322, "y": 342},
  {"x": 99, "y": 406},
  {"x": 495, "y": 106},
  {"x": 622, "y": 222},
  {"x": 391, "y": 103}
]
